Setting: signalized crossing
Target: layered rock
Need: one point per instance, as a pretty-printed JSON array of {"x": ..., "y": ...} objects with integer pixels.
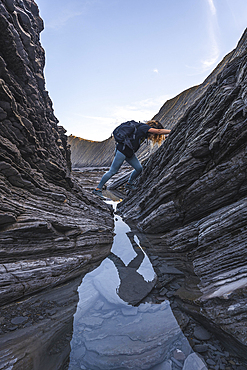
[
  {"x": 88, "y": 153},
  {"x": 38, "y": 330},
  {"x": 50, "y": 229},
  {"x": 192, "y": 197}
]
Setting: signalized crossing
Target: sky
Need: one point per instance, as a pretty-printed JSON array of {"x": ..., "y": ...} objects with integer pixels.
[{"x": 110, "y": 61}]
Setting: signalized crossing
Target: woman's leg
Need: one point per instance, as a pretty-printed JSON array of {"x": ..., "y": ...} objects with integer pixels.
[
  {"x": 116, "y": 164},
  {"x": 134, "y": 162}
]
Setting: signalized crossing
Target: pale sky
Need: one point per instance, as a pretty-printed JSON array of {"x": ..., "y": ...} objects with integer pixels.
[{"x": 109, "y": 61}]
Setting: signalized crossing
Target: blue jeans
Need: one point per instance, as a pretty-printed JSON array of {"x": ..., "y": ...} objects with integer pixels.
[{"x": 117, "y": 163}]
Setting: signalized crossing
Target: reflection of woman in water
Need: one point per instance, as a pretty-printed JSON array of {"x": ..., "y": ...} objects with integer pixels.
[{"x": 133, "y": 288}]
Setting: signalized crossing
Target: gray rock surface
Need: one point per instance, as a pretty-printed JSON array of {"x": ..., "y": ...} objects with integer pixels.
[
  {"x": 50, "y": 229},
  {"x": 42, "y": 341},
  {"x": 191, "y": 199},
  {"x": 88, "y": 153}
]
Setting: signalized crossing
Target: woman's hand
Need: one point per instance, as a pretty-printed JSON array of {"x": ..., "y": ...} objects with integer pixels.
[{"x": 159, "y": 131}]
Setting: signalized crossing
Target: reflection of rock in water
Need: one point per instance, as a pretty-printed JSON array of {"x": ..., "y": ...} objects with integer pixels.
[
  {"x": 127, "y": 337},
  {"x": 110, "y": 334},
  {"x": 42, "y": 341},
  {"x": 130, "y": 338}
]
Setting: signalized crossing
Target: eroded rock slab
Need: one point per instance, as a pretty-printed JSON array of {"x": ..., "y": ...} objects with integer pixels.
[
  {"x": 36, "y": 332},
  {"x": 191, "y": 198},
  {"x": 50, "y": 229}
]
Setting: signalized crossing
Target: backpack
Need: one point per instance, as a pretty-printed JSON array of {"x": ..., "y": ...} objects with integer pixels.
[{"x": 125, "y": 133}]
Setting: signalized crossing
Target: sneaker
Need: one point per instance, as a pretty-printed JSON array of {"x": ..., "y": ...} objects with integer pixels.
[
  {"x": 129, "y": 186},
  {"x": 98, "y": 192}
]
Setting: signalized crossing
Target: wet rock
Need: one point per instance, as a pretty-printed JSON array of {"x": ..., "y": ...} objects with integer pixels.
[
  {"x": 177, "y": 363},
  {"x": 209, "y": 361},
  {"x": 200, "y": 348},
  {"x": 19, "y": 320},
  {"x": 194, "y": 362},
  {"x": 181, "y": 318},
  {"x": 174, "y": 286},
  {"x": 12, "y": 328},
  {"x": 51, "y": 312},
  {"x": 166, "y": 269},
  {"x": 44, "y": 340},
  {"x": 163, "y": 291},
  {"x": 201, "y": 333},
  {"x": 170, "y": 294},
  {"x": 179, "y": 355},
  {"x": 133, "y": 286},
  {"x": 164, "y": 366}
]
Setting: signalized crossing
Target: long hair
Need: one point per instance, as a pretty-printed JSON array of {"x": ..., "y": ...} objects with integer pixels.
[{"x": 155, "y": 139}]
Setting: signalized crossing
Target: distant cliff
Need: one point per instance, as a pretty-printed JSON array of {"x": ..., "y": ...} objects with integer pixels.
[
  {"x": 87, "y": 153},
  {"x": 48, "y": 224},
  {"x": 191, "y": 199}
]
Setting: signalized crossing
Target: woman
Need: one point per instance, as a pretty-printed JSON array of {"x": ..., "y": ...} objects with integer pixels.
[{"x": 154, "y": 131}]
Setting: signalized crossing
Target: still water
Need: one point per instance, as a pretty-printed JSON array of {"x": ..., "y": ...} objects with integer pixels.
[
  {"x": 97, "y": 323},
  {"x": 111, "y": 330}
]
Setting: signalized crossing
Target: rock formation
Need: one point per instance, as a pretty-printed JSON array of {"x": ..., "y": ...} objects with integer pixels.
[
  {"x": 36, "y": 332},
  {"x": 192, "y": 197},
  {"x": 88, "y": 153},
  {"x": 50, "y": 229}
]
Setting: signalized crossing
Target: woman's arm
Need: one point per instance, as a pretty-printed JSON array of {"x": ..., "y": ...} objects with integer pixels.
[{"x": 159, "y": 131}]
